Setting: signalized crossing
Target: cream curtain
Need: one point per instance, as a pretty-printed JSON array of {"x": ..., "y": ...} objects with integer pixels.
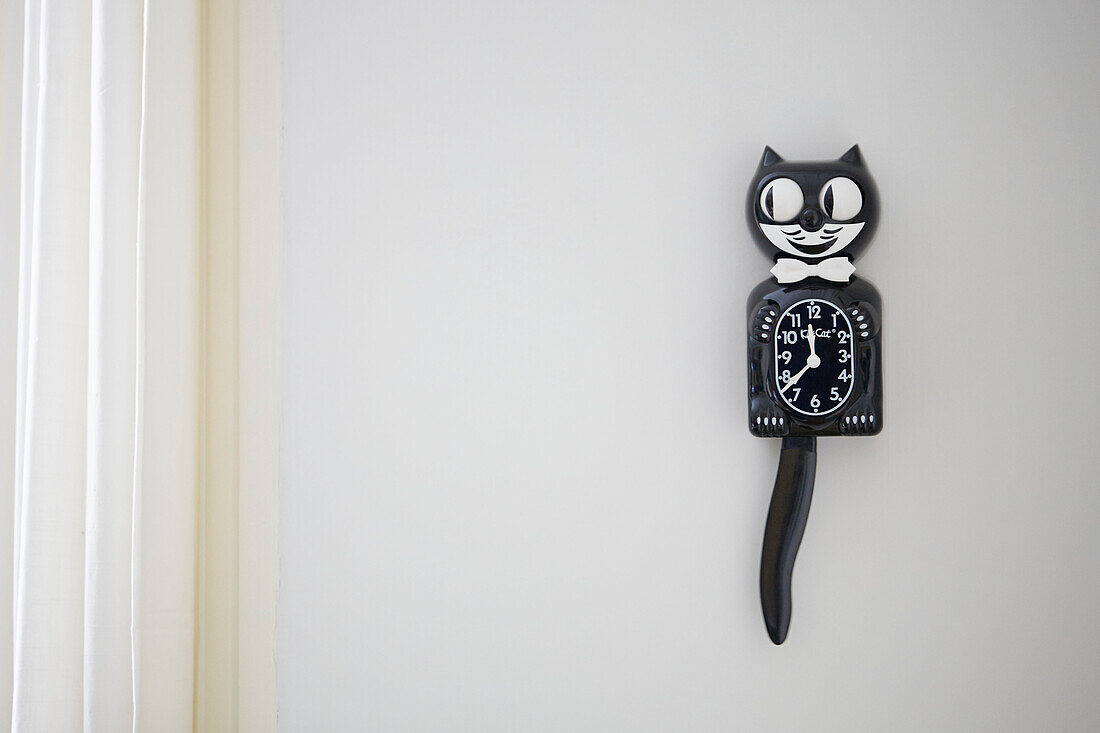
[{"x": 120, "y": 178}]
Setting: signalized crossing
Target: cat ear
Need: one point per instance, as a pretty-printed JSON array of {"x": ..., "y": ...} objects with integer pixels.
[
  {"x": 853, "y": 156},
  {"x": 770, "y": 157}
]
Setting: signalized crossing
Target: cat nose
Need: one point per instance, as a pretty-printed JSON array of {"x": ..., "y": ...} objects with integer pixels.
[{"x": 811, "y": 220}]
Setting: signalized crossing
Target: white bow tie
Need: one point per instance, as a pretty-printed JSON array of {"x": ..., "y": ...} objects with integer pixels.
[{"x": 837, "y": 269}]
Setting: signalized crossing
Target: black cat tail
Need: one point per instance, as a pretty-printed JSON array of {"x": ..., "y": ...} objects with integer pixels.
[{"x": 790, "y": 507}]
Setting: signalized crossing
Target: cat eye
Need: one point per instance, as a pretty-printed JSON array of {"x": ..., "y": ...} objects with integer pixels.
[
  {"x": 841, "y": 199},
  {"x": 781, "y": 200}
]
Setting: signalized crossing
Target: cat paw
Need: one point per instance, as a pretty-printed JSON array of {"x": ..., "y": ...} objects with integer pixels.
[
  {"x": 864, "y": 321},
  {"x": 763, "y": 322},
  {"x": 860, "y": 420},
  {"x": 768, "y": 421}
]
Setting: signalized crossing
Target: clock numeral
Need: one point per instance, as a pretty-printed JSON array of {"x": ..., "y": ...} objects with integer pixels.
[
  {"x": 834, "y": 320},
  {"x": 842, "y": 358},
  {"x": 844, "y": 375},
  {"x": 814, "y": 311},
  {"x": 785, "y": 357},
  {"x": 842, "y": 337},
  {"x": 785, "y": 376},
  {"x": 815, "y": 402},
  {"x": 795, "y": 390},
  {"x": 834, "y": 394},
  {"x": 796, "y": 319},
  {"x": 789, "y": 337}
]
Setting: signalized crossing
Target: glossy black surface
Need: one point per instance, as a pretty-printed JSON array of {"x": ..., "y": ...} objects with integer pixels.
[
  {"x": 811, "y": 177},
  {"x": 861, "y": 412},
  {"x": 803, "y": 384},
  {"x": 790, "y": 507}
]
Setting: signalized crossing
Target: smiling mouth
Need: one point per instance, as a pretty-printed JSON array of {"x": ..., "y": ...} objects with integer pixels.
[{"x": 812, "y": 249}]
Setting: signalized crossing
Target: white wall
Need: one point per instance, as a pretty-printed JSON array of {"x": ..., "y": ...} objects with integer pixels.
[{"x": 517, "y": 489}]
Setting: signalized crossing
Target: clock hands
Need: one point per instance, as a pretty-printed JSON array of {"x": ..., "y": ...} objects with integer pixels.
[
  {"x": 812, "y": 362},
  {"x": 795, "y": 378}
]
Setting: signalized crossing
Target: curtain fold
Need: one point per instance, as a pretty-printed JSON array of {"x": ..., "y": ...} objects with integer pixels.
[
  {"x": 138, "y": 328},
  {"x": 49, "y": 564},
  {"x": 11, "y": 85},
  {"x": 116, "y": 108},
  {"x": 167, "y": 433},
  {"x": 108, "y": 435}
]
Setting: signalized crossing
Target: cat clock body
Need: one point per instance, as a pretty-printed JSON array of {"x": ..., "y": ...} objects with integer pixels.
[
  {"x": 791, "y": 393},
  {"x": 814, "y": 339}
]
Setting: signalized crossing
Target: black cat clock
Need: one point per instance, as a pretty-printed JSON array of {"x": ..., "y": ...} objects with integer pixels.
[{"x": 815, "y": 339}]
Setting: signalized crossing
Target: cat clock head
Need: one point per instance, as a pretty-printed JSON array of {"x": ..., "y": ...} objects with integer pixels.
[{"x": 813, "y": 210}]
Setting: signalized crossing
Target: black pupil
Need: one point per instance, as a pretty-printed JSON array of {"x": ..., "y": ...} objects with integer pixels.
[
  {"x": 769, "y": 204},
  {"x": 827, "y": 201},
  {"x": 821, "y": 389}
]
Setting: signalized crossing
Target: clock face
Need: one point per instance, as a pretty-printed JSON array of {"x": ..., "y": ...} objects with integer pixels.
[{"x": 813, "y": 357}]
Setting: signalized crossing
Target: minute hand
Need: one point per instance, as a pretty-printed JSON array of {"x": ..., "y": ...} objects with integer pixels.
[{"x": 796, "y": 377}]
